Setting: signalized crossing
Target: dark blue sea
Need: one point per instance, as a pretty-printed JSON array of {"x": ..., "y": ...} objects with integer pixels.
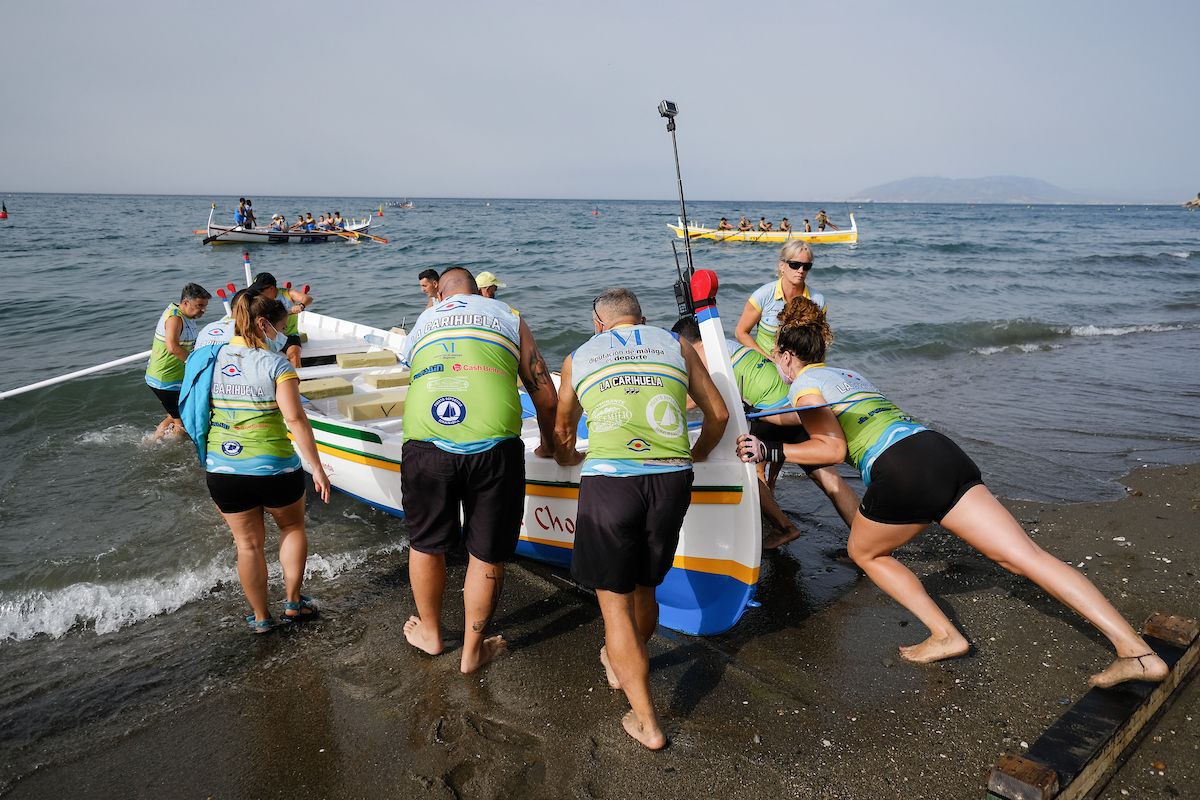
[{"x": 1057, "y": 344}]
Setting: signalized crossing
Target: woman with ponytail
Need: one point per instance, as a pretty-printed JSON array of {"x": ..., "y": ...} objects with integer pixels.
[
  {"x": 915, "y": 476},
  {"x": 250, "y": 463}
]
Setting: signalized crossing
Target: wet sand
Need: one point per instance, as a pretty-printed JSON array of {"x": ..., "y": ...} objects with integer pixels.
[{"x": 802, "y": 699}]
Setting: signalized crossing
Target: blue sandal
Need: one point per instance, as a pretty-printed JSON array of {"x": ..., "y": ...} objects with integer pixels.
[
  {"x": 300, "y": 615},
  {"x": 264, "y": 625}
]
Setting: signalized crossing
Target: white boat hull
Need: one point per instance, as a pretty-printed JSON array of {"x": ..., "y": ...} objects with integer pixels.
[{"x": 716, "y": 566}]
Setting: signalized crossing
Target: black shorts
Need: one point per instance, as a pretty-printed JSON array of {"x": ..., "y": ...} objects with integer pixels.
[
  {"x": 169, "y": 399},
  {"x": 627, "y": 529},
  {"x": 293, "y": 340},
  {"x": 489, "y": 487},
  {"x": 234, "y": 494},
  {"x": 918, "y": 480}
]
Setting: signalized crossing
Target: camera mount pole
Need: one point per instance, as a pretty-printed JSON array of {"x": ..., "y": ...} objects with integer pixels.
[{"x": 687, "y": 237}]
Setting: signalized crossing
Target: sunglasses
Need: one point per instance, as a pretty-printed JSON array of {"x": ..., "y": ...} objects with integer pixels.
[{"x": 804, "y": 265}]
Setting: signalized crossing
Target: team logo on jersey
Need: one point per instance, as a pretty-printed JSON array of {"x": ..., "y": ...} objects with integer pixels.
[
  {"x": 449, "y": 410},
  {"x": 638, "y": 445},
  {"x": 452, "y": 305},
  {"x": 664, "y": 415},
  {"x": 231, "y": 371},
  {"x": 231, "y": 448},
  {"x": 608, "y": 416}
]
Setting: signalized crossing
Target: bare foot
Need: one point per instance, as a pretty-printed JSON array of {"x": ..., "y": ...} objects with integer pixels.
[
  {"x": 654, "y": 738},
  {"x": 782, "y": 538},
  {"x": 609, "y": 673},
  {"x": 489, "y": 650},
  {"x": 933, "y": 649},
  {"x": 1131, "y": 668},
  {"x": 419, "y": 636}
]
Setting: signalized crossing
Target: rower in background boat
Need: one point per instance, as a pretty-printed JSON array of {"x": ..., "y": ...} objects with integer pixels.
[
  {"x": 250, "y": 220},
  {"x": 807, "y": 226},
  {"x": 744, "y": 224},
  {"x": 239, "y": 216},
  {"x": 724, "y": 225},
  {"x": 784, "y": 225},
  {"x": 763, "y": 225},
  {"x": 823, "y": 220},
  {"x": 338, "y": 222}
]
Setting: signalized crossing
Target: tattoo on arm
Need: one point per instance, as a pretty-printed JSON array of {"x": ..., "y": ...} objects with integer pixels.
[{"x": 539, "y": 374}]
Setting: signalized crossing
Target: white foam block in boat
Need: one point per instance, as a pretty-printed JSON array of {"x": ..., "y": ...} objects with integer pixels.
[
  {"x": 379, "y": 358},
  {"x": 385, "y": 378},
  {"x": 325, "y": 387},
  {"x": 373, "y": 405}
]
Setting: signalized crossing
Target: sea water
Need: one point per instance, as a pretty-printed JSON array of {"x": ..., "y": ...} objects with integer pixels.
[{"x": 1057, "y": 344}]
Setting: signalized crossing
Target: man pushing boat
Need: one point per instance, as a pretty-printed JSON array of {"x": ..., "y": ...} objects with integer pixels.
[
  {"x": 464, "y": 461},
  {"x": 633, "y": 380}
]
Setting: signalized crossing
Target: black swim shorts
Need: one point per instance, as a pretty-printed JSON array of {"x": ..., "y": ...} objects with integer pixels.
[
  {"x": 169, "y": 399},
  {"x": 234, "y": 494},
  {"x": 627, "y": 529},
  {"x": 918, "y": 480},
  {"x": 293, "y": 340},
  {"x": 489, "y": 487}
]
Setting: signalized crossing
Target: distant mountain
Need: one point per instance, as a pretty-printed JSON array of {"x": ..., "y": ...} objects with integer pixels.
[{"x": 995, "y": 189}]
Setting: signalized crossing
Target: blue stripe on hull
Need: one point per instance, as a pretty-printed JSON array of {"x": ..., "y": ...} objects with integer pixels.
[
  {"x": 691, "y": 602},
  {"x": 395, "y": 512}
]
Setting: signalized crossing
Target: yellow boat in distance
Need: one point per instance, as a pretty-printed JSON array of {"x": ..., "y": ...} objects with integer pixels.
[{"x": 844, "y": 236}]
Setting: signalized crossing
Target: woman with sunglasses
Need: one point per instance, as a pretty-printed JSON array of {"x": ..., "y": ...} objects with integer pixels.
[
  {"x": 763, "y": 307},
  {"x": 914, "y": 477}
]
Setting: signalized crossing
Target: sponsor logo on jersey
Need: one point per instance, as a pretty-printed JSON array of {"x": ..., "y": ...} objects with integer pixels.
[
  {"x": 608, "y": 416},
  {"x": 449, "y": 384},
  {"x": 448, "y": 410},
  {"x": 429, "y": 369}
]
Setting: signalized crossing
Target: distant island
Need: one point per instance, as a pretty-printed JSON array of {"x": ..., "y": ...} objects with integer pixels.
[{"x": 995, "y": 189}]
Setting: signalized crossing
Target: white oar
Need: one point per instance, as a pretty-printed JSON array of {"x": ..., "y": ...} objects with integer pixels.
[{"x": 78, "y": 374}]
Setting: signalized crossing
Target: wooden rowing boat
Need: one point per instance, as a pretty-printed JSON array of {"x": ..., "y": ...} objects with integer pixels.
[
  {"x": 231, "y": 234},
  {"x": 716, "y": 565},
  {"x": 845, "y": 236}
]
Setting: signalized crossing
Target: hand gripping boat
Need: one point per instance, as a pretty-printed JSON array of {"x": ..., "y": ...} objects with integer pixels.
[{"x": 356, "y": 411}]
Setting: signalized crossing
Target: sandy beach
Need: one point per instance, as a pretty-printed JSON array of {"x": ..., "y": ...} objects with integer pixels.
[{"x": 790, "y": 703}]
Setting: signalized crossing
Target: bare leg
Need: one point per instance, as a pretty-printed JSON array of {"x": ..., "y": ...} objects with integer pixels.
[
  {"x": 645, "y": 613},
  {"x": 844, "y": 498},
  {"x": 480, "y": 594},
  {"x": 427, "y": 574},
  {"x": 772, "y": 474},
  {"x": 980, "y": 521},
  {"x": 293, "y": 551},
  {"x": 249, "y": 534},
  {"x": 162, "y": 427},
  {"x": 787, "y": 529},
  {"x": 871, "y": 545},
  {"x": 630, "y": 661},
  {"x": 175, "y": 428}
]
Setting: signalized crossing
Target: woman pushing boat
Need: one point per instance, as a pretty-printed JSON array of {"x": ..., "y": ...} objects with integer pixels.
[
  {"x": 762, "y": 310},
  {"x": 249, "y": 461},
  {"x": 916, "y": 476}
]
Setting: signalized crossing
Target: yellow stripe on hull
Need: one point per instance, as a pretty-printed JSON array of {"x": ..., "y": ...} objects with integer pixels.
[
  {"x": 712, "y": 566},
  {"x": 699, "y": 496}
]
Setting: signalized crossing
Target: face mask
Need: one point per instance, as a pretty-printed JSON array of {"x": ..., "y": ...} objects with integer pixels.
[
  {"x": 783, "y": 376},
  {"x": 277, "y": 342}
]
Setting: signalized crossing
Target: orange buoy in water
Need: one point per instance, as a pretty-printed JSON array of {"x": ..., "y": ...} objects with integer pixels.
[
  {"x": 3, "y": 211},
  {"x": 381, "y": 211}
]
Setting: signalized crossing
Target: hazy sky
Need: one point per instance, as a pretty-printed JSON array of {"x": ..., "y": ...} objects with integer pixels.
[{"x": 778, "y": 101}]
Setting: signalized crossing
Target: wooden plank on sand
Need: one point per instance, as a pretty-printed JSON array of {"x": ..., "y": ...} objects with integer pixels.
[{"x": 1086, "y": 745}]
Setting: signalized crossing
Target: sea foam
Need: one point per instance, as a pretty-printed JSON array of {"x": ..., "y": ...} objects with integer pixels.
[{"x": 107, "y": 608}]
